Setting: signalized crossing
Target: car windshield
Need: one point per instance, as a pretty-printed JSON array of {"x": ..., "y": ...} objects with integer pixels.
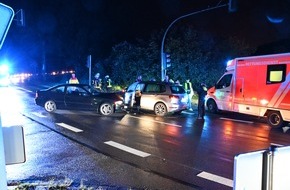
[{"x": 177, "y": 89}]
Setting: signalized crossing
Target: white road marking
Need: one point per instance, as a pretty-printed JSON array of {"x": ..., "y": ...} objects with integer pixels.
[
  {"x": 69, "y": 127},
  {"x": 188, "y": 113},
  {"x": 216, "y": 178},
  {"x": 243, "y": 121},
  {"x": 275, "y": 144},
  {"x": 156, "y": 121},
  {"x": 26, "y": 90},
  {"x": 127, "y": 149},
  {"x": 38, "y": 114}
]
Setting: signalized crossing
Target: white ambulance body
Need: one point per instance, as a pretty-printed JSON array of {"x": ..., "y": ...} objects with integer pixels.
[{"x": 257, "y": 85}]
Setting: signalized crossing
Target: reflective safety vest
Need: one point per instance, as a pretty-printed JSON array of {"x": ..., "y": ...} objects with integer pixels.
[
  {"x": 109, "y": 83},
  {"x": 73, "y": 81},
  {"x": 98, "y": 83},
  {"x": 188, "y": 86}
]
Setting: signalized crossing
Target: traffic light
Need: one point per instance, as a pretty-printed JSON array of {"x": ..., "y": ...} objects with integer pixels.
[
  {"x": 20, "y": 17},
  {"x": 233, "y": 5},
  {"x": 167, "y": 60}
]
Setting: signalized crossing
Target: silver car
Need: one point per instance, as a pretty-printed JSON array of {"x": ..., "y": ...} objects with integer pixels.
[{"x": 160, "y": 97}]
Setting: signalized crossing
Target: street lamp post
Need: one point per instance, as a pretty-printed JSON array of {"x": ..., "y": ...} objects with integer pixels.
[{"x": 163, "y": 61}]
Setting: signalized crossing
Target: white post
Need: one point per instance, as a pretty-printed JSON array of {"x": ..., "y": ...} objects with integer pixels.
[
  {"x": 89, "y": 63},
  {"x": 3, "y": 177}
]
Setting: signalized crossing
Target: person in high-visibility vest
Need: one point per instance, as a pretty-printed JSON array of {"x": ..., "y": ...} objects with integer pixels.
[
  {"x": 97, "y": 82},
  {"x": 73, "y": 79},
  {"x": 190, "y": 93},
  {"x": 108, "y": 83}
]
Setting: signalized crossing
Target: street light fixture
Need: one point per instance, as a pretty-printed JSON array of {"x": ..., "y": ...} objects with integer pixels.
[{"x": 163, "y": 61}]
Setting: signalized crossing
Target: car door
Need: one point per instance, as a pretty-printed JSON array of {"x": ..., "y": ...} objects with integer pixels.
[
  {"x": 130, "y": 94},
  {"x": 150, "y": 95},
  {"x": 57, "y": 95},
  {"x": 78, "y": 98}
]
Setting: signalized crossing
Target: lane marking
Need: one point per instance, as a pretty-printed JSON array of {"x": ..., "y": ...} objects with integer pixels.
[
  {"x": 188, "y": 113},
  {"x": 38, "y": 114},
  {"x": 155, "y": 121},
  {"x": 26, "y": 90},
  {"x": 69, "y": 127},
  {"x": 127, "y": 149},
  {"x": 216, "y": 178},
  {"x": 275, "y": 144},
  {"x": 237, "y": 120}
]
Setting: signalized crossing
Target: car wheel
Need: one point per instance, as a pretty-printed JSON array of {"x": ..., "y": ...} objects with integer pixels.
[
  {"x": 211, "y": 106},
  {"x": 160, "y": 109},
  {"x": 106, "y": 109},
  {"x": 50, "y": 106},
  {"x": 275, "y": 119}
]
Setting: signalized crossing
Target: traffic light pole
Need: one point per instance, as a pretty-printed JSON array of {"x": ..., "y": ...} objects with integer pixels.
[{"x": 163, "y": 61}]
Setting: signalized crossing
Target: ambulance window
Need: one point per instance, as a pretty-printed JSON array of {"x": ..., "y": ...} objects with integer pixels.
[
  {"x": 224, "y": 82},
  {"x": 276, "y": 73}
]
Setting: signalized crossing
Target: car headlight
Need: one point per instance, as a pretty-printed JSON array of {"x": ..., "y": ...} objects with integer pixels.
[{"x": 119, "y": 102}]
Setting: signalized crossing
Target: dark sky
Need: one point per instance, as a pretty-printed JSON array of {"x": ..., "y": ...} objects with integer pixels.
[
  {"x": 125, "y": 20},
  {"x": 121, "y": 20}
]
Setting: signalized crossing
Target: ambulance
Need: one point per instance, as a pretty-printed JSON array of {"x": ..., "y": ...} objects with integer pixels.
[{"x": 256, "y": 85}]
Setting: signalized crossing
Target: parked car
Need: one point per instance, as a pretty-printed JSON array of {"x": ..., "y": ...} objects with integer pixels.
[
  {"x": 78, "y": 97},
  {"x": 160, "y": 97}
]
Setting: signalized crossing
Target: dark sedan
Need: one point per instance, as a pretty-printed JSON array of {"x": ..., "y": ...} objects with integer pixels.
[{"x": 78, "y": 97}]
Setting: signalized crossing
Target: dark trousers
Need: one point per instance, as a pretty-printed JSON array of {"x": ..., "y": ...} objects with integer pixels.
[
  {"x": 137, "y": 103},
  {"x": 201, "y": 107}
]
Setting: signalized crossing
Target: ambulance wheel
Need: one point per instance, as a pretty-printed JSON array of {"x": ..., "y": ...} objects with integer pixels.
[
  {"x": 275, "y": 119},
  {"x": 211, "y": 106}
]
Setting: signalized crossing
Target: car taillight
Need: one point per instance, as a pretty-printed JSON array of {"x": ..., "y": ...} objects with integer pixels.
[{"x": 173, "y": 98}]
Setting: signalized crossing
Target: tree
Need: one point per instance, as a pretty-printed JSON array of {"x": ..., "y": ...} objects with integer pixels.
[{"x": 195, "y": 55}]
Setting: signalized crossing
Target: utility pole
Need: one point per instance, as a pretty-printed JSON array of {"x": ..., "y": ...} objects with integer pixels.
[
  {"x": 89, "y": 65},
  {"x": 163, "y": 61}
]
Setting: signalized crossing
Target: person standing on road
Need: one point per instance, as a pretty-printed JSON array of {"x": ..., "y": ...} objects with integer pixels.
[
  {"x": 138, "y": 95},
  {"x": 202, "y": 91},
  {"x": 108, "y": 83},
  {"x": 166, "y": 79},
  {"x": 139, "y": 78},
  {"x": 97, "y": 82},
  {"x": 189, "y": 91},
  {"x": 73, "y": 79}
]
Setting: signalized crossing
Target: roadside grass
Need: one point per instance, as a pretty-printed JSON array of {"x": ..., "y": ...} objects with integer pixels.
[{"x": 66, "y": 184}]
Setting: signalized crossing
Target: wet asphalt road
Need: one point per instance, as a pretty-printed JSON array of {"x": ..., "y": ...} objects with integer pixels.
[
  {"x": 54, "y": 159},
  {"x": 209, "y": 146}
]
